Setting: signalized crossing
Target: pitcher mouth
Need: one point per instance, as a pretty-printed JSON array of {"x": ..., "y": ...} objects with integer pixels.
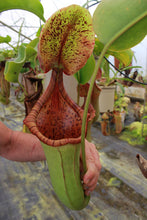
[{"x": 56, "y": 119}]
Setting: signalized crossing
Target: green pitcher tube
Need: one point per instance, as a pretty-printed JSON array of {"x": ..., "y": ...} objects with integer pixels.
[{"x": 64, "y": 169}]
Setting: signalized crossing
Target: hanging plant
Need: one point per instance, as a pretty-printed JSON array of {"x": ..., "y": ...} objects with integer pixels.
[{"x": 66, "y": 42}]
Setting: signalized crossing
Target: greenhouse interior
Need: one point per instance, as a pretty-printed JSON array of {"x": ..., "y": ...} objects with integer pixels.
[{"x": 73, "y": 110}]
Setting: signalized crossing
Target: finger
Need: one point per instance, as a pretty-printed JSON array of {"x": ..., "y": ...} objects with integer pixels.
[
  {"x": 90, "y": 189},
  {"x": 91, "y": 186},
  {"x": 91, "y": 182},
  {"x": 92, "y": 173}
]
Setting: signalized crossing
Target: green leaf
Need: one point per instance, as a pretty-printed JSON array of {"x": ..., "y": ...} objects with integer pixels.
[
  {"x": 130, "y": 67},
  {"x": 98, "y": 47},
  {"x": 2, "y": 57},
  {"x": 39, "y": 31},
  {"x": 121, "y": 87},
  {"x": 34, "y": 43},
  {"x": 67, "y": 40},
  {"x": 6, "y": 39},
  {"x": 13, "y": 67},
  {"x": 33, "y": 6},
  {"x": 124, "y": 56},
  {"x": 6, "y": 54},
  {"x": 85, "y": 73},
  {"x": 121, "y": 22}
]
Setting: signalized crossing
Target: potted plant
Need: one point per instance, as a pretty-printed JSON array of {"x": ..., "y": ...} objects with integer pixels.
[
  {"x": 105, "y": 126},
  {"x": 107, "y": 81},
  {"x": 55, "y": 118},
  {"x": 120, "y": 107}
]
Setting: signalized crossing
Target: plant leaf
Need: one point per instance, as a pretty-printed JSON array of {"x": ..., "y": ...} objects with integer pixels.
[
  {"x": 6, "y": 39},
  {"x": 34, "y": 43},
  {"x": 125, "y": 20},
  {"x": 13, "y": 67},
  {"x": 130, "y": 67},
  {"x": 33, "y": 6},
  {"x": 121, "y": 87},
  {"x": 124, "y": 56},
  {"x": 85, "y": 73},
  {"x": 144, "y": 117},
  {"x": 67, "y": 40},
  {"x": 98, "y": 47}
]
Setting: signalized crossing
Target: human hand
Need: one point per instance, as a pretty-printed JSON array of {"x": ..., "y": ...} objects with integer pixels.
[{"x": 93, "y": 168}]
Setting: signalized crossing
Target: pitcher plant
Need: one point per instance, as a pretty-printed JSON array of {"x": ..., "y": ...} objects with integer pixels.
[{"x": 66, "y": 42}]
